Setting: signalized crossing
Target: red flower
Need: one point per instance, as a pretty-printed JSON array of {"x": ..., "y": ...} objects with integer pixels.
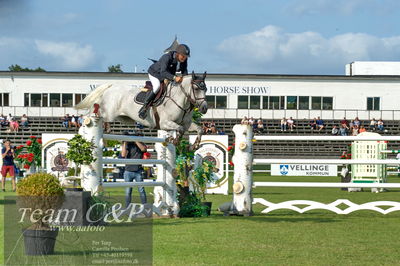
[
  {"x": 39, "y": 141},
  {"x": 20, "y": 147},
  {"x": 231, "y": 163},
  {"x": 29, "y": 143},
  {"x": 26, "y": 166},
  {"x": 230, "y": 148},
  {"x": 33, "y": 137}
]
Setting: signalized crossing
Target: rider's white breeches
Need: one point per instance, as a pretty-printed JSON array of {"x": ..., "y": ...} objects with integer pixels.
[{"x": 156, "y": 83}]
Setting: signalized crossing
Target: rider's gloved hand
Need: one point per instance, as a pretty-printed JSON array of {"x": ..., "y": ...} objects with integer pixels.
[{"x": 178, "y": 79}]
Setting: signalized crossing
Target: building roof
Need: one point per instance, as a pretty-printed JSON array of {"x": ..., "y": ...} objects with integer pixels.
[{"x": 213, "y": 75}]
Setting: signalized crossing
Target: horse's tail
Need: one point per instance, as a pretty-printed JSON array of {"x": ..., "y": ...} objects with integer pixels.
[{"x": 93, "y": 97}]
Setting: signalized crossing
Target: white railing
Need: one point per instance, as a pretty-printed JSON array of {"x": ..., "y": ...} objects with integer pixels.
[
  {"x": 243, "y": 176},
  {"x": 336, "y": 114},
  {"x": 228, "y": 113}
]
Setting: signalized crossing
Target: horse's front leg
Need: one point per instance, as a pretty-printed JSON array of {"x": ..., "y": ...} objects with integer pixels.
[
  {"x": 172, "y": 126},
  {"x": 199, "y": 130}
]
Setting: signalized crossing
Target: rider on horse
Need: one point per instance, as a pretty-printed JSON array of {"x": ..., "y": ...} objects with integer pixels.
[{"x": 166, "y": 68}]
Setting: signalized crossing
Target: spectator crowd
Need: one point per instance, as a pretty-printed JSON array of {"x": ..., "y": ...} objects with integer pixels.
[
  {"x": 11, "y": 123},
  {"x": 72, "y": 121}
]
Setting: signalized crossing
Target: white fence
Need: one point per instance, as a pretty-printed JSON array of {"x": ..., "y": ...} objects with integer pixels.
[
  {"x": 165, "y": 200},
  {"x": 243, "y": 176}
]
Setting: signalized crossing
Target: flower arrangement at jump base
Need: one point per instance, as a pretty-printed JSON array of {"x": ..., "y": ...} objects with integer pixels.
[
  {"x": 30, "y": 154},
  {"x": 190, "y": 202}
]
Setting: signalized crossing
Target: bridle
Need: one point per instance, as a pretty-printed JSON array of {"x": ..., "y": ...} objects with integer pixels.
[{"x": 199, "y": 83}]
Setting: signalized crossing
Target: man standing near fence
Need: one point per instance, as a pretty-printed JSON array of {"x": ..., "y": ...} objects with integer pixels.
[{"x": 133, "y": 150}]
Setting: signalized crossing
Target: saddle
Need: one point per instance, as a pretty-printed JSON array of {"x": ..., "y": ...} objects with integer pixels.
[{"x": 148, "y": 87}]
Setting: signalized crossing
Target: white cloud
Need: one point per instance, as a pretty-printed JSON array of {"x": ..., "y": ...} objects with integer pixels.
[
  {"x": 50, "y": 55},
  {"x": 272, "y": 50},
  {"x": 342, "y": 7},
  {"x": 70, "y": 55}
]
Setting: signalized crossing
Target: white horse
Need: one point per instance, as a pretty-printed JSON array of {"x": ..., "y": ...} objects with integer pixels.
[{"x": 175, "y": 113}]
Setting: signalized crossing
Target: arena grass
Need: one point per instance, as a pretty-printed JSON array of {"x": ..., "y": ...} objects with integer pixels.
[{"x": 282, "y": 237}]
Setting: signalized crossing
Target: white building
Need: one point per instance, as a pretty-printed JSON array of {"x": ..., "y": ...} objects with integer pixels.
[
  {"x": 375, "y": 68},
  {"x": 229, "y": 95}
]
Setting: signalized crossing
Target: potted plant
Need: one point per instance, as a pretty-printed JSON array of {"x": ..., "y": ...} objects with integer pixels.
[{"x": 41, "y": 195}]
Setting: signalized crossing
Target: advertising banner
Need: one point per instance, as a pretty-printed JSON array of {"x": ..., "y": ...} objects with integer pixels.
[{"x": 304, "y": 170}]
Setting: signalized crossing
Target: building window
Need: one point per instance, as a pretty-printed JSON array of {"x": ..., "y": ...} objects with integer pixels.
[
  {"x": 4, "y": 99},
  {"x": 265, "y": 102},
  {"x": 79, "y": 97},
  {"x": 45, "y": 99},
  {"x": 373, "y": 103},
  {"x": 36, "y": 100},
  {"x": 55, "y": 100},
  {"x": 255, "y": 102},
  {"x": 327, "y": 103},
  {"x": 221, "y": 102},
  {"x": 322, "y": 103},
  {"x": 67, "y": 100},
  {"x": 304, "y": 102},
  {"x": 291, "y": 102},
  {"x": 210, "y": 101},
  {"x": 26, "y": 99},
  {"x": 316, "y": 103},
  {"x": 276, "y": 102},
  {"x": 243, "y": 102}
]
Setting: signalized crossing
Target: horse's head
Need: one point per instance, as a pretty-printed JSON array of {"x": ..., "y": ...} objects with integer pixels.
[{"x": 199, "y": 90}]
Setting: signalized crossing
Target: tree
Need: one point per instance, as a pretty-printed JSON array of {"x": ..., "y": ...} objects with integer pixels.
[
  {"x": 18, "y": 68},
  {"x": 115, "y": 68}
]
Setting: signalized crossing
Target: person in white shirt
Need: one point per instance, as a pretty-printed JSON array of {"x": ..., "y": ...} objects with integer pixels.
[
  {"x": 9, "y": 118},
  {"x": 290, "y": 124},
  {"x": 251, "y": 121}
]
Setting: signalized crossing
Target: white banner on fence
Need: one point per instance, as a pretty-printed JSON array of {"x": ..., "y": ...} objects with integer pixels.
[
  {"x": 304, "y": 169},
  {"x": 214, "y": 148}
]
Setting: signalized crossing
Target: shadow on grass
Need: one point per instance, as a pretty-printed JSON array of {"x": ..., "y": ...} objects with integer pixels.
[{"x": 7, "y": 201}]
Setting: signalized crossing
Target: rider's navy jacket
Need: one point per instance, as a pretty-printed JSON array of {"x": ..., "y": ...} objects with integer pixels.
[{"x": 166, "y": 67}]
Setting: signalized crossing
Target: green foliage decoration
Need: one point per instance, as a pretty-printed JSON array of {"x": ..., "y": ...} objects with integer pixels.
[
  {"x": 80, "y": 151},
  {"x": 203, "y": 175},
  {"x": 196, "y": 116},
  {"x": 192, "y": 206}
]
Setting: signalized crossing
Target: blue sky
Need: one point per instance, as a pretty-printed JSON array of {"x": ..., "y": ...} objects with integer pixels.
[{"x": 253, "y": 36}]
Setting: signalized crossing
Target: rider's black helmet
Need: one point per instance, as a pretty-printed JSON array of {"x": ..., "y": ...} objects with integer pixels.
[{"x": 183, "y": 49}]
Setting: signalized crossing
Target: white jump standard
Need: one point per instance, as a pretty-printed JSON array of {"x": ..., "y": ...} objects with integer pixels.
[
  {"x": 165, "y": 200},
  {"x": 243, "y": 176}
]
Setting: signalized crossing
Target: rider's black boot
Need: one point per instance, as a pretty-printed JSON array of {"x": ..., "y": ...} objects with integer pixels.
[{"x": 143, "y": 111}]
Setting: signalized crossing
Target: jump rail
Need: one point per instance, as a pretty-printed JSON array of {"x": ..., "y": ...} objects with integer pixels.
[
  {"x": 243, "y": 176},
  {"x": 165, "y": 191}
]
